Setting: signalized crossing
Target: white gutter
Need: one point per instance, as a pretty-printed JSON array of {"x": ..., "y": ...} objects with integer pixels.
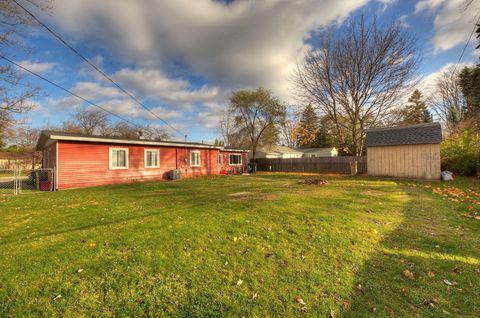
[{"x": 131, "y": 142}]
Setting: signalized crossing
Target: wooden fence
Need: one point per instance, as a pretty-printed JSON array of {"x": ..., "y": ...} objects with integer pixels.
[{"x": 317, "y": 164}]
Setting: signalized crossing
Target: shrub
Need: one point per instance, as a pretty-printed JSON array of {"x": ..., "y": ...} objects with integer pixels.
[{"x": 461, "y": 153}]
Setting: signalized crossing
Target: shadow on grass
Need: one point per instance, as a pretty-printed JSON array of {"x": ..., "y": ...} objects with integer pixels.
[{"x": 440, "y": 252}]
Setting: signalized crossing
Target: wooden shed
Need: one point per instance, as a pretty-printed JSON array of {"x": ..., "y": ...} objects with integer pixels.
[{"x": 404, "y": 152}]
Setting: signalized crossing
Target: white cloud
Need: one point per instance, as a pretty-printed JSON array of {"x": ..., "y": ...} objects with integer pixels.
[
  {"x": 238, "y": 45},
  {"x": 427, "y": 83},
  {"x": 37, "y": 67},
  {"x": 155, "y": 85},
  {"x": 452, "y": 24},
  {"x": 110, "y": 99}
]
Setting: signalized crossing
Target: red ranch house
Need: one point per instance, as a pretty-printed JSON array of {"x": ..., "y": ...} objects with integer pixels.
[{"x": 84, "y": 161}]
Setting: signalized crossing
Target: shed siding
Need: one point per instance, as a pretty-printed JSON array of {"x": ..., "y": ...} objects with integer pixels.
[
  {"x": 87, "y": 164},
  {"x": 405, "y": 161}
]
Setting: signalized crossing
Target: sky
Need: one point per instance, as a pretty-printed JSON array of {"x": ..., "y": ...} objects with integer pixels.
[{"x": 184, "y": 58}]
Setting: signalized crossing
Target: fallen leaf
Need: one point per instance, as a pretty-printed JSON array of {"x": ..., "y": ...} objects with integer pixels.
[
  {"x": 254, "y": 296},
  {"x": 430, "y": 274},
  {"x": 408, "y": 274},
  {"x": 57, "y": 297},
  {"x": 456, "y": 270},
  {"x": 449, "y": 283},
  {"x": 303, "y": 310},
  {"x": 346, "y": 304},
  {"x": 239, "y": 282},
  {"x": 299, "y": 300},
  {"x": 80, "y": 270},
  {"x": 360, "y": 288}
]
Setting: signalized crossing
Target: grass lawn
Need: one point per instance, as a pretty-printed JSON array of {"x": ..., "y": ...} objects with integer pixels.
[{"x": 253, "y": 246}]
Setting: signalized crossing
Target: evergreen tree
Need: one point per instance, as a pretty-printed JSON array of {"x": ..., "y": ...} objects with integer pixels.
[
  {"x": 415, "y": 112},
  {"x": 308, "y": 128},
  {"x": 469, "y": 80}
]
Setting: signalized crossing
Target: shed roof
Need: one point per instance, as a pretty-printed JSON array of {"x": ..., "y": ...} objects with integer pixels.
[
  {"x": 46, "y": 135},
  {"x": 430, "y": 133}
]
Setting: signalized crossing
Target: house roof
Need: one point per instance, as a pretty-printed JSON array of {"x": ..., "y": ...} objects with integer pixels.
[
  {"x": 46, "y": 135},
  {"x": 317, "y": 150},
  {"x": 430, "y": 133},
  {"x": 280, "y": 149}
]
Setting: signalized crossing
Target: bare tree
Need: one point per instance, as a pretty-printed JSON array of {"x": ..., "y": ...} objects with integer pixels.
[
  {"x": 154, "y": 133},
  {"x": 26, "y": 140},
  {"x": 360, "y": 73},
  {"x": 447, "y": 99},
  {"x": 15, "y": 92},
  {"x": 288, "y": 128},
  {"x": 91, "y": 121},
  {"x": 227, "y": 127}
]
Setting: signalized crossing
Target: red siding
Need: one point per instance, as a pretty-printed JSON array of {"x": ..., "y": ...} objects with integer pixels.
[
  {"x": 87, "y": 164},
  {"x": 226, "y": 161}
]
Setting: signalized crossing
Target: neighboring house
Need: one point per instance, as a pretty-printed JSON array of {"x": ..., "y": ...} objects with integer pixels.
[
  {"x": 11, "y": 160},
  {"x": 277, "y": 152},
  {"x": 406, "y": 152},
  {"x": 83, "y": 161},
  {"x": 319, "y": 152}
]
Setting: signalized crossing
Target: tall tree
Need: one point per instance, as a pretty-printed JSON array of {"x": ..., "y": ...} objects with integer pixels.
[
  {"x": 415, "y": 111},
  {"x": 92, "y": 121},
  {"x": 256, "y": 113},
  {"x": 469, "y": 80},
  {"x": 360, "y": 73},
  {"x": 15, "y": 92},
  {"x": 288, "y": 129},
  {"x": 447, "y": 99},
  {"x": 308, "y": 128}
]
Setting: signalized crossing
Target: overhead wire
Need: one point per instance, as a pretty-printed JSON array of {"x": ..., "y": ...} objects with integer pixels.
[{"x": 96, "y": 68}]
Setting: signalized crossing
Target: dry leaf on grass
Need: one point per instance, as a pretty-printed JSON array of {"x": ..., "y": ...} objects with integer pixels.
[
  {"x": 408, "y": 274},
  {"x": 239, "y": 282},
  {"x": 449, "y": 283},
  {"x": 346, "y": 304},
  {"x": 430, "y": 274},
  {"x": 299, "y": 300}
]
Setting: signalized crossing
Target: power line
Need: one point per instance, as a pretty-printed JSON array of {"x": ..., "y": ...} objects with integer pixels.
[
  {"x": 68, "y": 91},
  {"x": 466, "y": 44},
  {"x": 56, "y": 35}
]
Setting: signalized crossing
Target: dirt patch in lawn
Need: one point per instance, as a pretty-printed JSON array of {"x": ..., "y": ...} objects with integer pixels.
[{"x": 315, "y": 181}]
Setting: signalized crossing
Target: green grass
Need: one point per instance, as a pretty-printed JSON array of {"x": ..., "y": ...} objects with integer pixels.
[{"x": 182, "y": 248}]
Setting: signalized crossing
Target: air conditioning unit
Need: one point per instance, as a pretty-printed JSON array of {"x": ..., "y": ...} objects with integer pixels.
[{"x": 175, "y": 174}]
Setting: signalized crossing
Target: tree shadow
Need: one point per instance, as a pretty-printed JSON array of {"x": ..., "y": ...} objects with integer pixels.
[{"x": 429, "y": 266}]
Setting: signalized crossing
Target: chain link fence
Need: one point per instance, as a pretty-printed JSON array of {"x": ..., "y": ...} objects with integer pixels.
[{"x": 19, "y": 181}]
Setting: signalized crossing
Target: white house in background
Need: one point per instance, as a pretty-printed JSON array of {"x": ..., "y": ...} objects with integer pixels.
[
  {"x": 277, "y": 152},
  {"x": 319, "y": 152}
]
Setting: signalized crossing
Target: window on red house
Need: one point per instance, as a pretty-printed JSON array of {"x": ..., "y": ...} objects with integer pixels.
[{"x": 235, "y": 159}]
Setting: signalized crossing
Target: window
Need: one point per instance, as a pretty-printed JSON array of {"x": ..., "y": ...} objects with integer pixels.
[
  {"x": 235, "y": 160},
  {"x": 220, "y": 160},
  {"x": 152, "y": 158},
  {"x": 118, "y": 158},
  {"x": 195, "y": 158}
]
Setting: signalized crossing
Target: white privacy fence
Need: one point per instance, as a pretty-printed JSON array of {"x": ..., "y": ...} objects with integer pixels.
[{"x": 18, "y": 181}]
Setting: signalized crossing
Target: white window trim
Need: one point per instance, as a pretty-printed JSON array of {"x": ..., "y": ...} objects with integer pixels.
[
  {"x": 145, "y": 158},
  {"x": 191, "y": 164},
  {"x": 110, "y": 159},
  {"x": 230, "y": 160}
]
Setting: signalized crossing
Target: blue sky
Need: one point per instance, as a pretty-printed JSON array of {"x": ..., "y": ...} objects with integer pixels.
[{"x": 184, "y": 58}]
